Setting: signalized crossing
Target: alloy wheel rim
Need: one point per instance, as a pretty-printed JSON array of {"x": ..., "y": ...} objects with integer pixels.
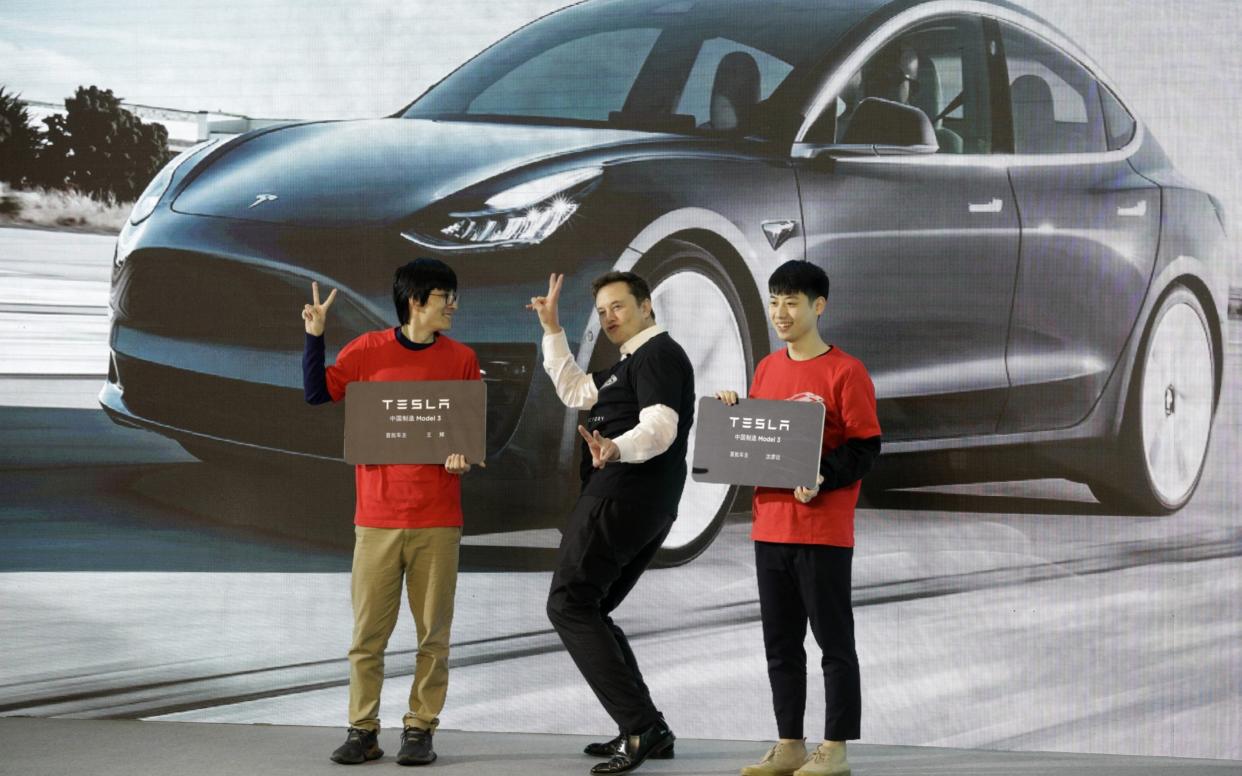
[
  {"x": 698, "y": 317},
  {"x": 1177, "y": 396}
]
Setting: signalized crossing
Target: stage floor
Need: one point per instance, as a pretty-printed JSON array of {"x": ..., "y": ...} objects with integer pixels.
[{"x": 67, "y": 747}]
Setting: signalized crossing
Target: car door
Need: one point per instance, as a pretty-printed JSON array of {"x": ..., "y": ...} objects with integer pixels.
[
  {"x": 921, "y": 250},
  {"x": 1090, "y": 229}
]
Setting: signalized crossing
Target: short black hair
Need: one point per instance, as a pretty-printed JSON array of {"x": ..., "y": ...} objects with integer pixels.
[
  {"x": 416, "y": 280},
  {"x": 637, "y": 284},
  {"x": 797, "y": 276}
]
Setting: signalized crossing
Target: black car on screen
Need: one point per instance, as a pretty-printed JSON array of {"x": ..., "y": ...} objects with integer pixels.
[{"x": 1033, "y": 286}]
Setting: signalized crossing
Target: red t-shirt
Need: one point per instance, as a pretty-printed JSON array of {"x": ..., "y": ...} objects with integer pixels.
[
  {"x": 841, "y": 383},
  {"x": 403, "y": 495}
]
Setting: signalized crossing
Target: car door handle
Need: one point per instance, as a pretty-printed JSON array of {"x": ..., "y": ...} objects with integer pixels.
[
  {"x": 987, "y": 207},
  {"x": 1134, "y": 211}
]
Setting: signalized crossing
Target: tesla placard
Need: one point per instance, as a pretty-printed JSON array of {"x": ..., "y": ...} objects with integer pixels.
[
  {"x": 758, "y": 442},
  {"x": 416, "y": 421}
]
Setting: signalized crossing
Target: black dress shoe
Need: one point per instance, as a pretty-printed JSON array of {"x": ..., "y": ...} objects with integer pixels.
[
  {"x": 636, "y": 748},
  {"x": 613, "y": 747}
]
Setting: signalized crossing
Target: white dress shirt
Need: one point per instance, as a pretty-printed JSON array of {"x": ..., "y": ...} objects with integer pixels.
[{"x": 657, "y": 424}]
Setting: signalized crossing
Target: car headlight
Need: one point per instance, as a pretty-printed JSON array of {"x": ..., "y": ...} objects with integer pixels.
[
  {"x": 154, "y": 191},
  {"x": 526, "y": 214}
]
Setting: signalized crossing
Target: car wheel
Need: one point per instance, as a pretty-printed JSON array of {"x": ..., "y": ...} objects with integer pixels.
[
  {"x": 696, "y": 300},
  {"x": 1168, "y": 418}
]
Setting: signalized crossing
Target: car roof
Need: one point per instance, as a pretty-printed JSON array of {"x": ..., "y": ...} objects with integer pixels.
[{"x": 775, "y": 25}]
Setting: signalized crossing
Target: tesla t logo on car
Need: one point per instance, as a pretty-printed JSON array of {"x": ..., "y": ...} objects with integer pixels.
[
  {"x": 778, "y": 232},
  {"x": 259, "y": 199}
]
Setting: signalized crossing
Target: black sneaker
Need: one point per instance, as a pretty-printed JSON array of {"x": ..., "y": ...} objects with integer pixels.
[
  {"x": 360, "y": 745},
  {"x": 416, "y": 747}
]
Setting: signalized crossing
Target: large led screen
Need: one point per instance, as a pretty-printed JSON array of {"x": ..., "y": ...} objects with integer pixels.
[{"x": 1046, "y": 553}]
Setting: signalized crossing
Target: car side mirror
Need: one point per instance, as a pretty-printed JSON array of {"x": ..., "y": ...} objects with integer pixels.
[{"x": 878, "y": 127}]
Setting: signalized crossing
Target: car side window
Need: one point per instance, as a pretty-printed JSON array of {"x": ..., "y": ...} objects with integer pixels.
[
  {"x": 939, "y": 67},
  {"x": 585, "y": 78},
  {"x": 1118, "y": 123},
  {"x": 726, "y": 79},
  {"x": 1055, "y": 101}
]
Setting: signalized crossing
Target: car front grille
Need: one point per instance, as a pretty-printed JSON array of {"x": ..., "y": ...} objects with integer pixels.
[
  {"x": 198, "y": 297},
  {"x": 279, "y": 418},
  {"x": 192, "y": 301}
]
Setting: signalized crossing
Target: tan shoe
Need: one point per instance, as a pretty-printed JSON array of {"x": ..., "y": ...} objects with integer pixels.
[
  {"x": 781, "y": 760},
  {"x": 826, "y": 760}
]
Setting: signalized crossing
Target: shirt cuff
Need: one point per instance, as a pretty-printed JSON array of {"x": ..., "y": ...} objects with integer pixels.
[
  {"x": 626, "y": 448},
  {"x": 655, "y": 433},
  {"x": 555, "y": 347}
]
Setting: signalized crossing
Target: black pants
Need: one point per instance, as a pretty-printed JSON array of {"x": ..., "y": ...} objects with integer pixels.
[
  {"x": 605, "y": 549},
  {"x": 798, "y": 582}
]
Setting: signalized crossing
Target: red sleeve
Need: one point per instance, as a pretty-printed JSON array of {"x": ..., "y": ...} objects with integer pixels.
[
  {"x": 857, "y": 403},
  {"x": 347, "y": 368}
]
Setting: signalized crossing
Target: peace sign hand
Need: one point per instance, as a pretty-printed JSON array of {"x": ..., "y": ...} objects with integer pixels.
[
  {"x": 315, "y": 315},
  {"x": 546, "y": 306},
  {"x": 602, "y": 450}
]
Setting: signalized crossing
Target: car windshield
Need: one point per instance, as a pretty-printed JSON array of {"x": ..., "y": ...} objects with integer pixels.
[{"x": 672, "y": 66}]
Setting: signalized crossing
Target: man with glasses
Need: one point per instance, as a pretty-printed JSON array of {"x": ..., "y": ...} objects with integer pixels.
[{"x": 408, "y": 517}]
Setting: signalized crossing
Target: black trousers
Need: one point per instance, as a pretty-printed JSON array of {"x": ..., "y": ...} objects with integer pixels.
[
  {"x": 797, "y": 583},
  {"x": 605, "y": 549}
]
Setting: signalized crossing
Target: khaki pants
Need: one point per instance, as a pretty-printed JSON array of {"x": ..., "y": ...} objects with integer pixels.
[{"x": 427, "y": 558}]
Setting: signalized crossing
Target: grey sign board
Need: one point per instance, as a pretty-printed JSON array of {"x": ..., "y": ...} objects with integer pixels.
[
  {"x": 758, "y": 442},
  {"x": 415, "y": 421}
]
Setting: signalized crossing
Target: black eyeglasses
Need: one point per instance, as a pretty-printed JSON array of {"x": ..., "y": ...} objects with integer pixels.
[{"x": 450, "y": 297}]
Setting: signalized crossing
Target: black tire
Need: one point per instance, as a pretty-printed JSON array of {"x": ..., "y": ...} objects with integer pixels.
[
  {"x": 1138, "y": 480},
  {"x": 689, "y": 266}
]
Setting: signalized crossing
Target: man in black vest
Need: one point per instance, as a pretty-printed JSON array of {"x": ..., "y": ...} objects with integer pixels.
[{"x": 633, "y": 471}]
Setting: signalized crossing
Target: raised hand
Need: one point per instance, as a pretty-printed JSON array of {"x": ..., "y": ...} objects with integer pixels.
[
  {"x": 728, "y": 397},
  {"x": 315, "y": 315},
  {"x": 602, "y": 450},
  {"x": 805, "y": 495},
  {"x": 546, "y": 306}
]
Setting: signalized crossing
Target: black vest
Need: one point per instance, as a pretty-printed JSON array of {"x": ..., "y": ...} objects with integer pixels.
[{"x": 657, "y": 373}]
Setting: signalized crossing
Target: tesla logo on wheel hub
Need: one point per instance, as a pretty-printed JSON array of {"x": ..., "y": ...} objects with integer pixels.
[{"x": 259, "y": 199}]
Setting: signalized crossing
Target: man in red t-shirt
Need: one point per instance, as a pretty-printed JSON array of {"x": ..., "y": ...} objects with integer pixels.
[
  {"x": 407, "y": 522},
  {"x": 804, "y": 538}
]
